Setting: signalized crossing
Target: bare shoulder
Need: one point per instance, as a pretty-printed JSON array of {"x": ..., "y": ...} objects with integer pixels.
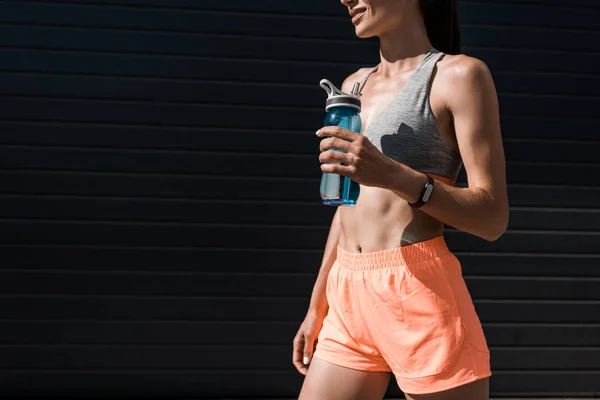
[
  {"x": 460, "y": 71},
  {"x": 462, "y": 82},
  {"x": 354, "y": 77}
]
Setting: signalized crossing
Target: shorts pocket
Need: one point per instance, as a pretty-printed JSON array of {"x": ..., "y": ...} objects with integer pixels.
[
  {"x": 468, "y": 315},
  {"x": 332, "y": 275},
  {"x": 422, "y": 330}
]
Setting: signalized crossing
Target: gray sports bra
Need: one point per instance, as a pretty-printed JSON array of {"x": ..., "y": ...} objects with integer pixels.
[{"x": 406, "y": 129}]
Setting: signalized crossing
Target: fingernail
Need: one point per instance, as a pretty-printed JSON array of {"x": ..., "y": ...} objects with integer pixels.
[
  {"x": 305, "y": 360},
  {"x": 318, "y": 132}
]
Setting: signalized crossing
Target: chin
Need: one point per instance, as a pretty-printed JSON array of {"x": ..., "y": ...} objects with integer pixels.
[{"x": 363, "y": 32}]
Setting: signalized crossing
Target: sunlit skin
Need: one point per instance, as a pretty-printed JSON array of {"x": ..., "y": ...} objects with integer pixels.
[{"x": 464, "y": 102}]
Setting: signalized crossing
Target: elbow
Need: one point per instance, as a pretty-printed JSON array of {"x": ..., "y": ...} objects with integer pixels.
[
  {"x": 496, "y": 226},
  {"x": 494, "y": 234}
]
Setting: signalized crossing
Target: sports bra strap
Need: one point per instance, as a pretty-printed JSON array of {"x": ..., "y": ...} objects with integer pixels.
[{"x": 364, "y": 79}]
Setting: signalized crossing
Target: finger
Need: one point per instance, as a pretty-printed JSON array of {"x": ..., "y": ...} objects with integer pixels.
[
  {"x": 334, "y": 143},
  {"x": 308, "y": 351},
  {"x": 338, "y": 132},
  {"x": 303, "y": 369},
  {"x": 298, "y": 347},
  {"x": 298, "y": 355},
  {"x": 344, "y": 170},
  {"x": 333, "y": 156}
]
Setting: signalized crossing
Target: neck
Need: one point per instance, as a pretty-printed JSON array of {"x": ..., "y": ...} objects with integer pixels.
[{"x": 401, "y": 49}]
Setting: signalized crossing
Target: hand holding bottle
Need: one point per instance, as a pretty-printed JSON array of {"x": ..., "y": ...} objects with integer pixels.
[{"x": 358, "y": 159}]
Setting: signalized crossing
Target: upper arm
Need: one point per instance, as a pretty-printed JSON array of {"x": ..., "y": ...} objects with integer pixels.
[{"x": 473, "y": 105}]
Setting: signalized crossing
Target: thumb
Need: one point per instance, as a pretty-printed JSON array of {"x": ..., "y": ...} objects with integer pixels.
[{"x": 308, "y": 350}]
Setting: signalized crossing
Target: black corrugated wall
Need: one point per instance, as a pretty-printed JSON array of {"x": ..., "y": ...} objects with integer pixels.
[{"x": 160, "y": 223}]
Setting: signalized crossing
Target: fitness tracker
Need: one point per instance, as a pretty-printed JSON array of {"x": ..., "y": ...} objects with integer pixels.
[{"x": 425, "y": 194}]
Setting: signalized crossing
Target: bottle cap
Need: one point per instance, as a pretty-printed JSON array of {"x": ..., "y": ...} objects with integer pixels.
[{"x": 337, "y": 98}]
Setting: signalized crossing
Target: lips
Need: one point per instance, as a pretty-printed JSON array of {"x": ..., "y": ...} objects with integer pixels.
[{"x": 357, "y": 13}]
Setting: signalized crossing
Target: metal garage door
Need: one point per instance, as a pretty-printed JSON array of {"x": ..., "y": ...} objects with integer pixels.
[{"x": 160, "y": 221}]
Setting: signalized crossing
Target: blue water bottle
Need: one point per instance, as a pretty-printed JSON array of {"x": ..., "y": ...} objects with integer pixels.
[{"x": 343, "y": 109}]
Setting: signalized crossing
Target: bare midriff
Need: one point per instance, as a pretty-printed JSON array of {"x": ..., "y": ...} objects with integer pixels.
[{"x": 382, "y": 220}]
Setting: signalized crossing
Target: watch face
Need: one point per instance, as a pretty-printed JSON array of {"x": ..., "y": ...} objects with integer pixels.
[{"x": 427, "y": 193}]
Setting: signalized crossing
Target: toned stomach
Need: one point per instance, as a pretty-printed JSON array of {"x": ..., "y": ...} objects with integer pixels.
[{"x": 381, "y": 220}]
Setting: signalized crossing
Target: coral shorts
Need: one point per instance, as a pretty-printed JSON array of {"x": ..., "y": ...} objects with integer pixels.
[{"x": 406, "y": 310}]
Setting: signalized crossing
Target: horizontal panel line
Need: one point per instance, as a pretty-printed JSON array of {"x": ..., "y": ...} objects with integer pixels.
[
  {"x": 38, "y": 296},
  {"x": 269, "y": 154},
  {"x": 36, "y": 271},
  {"x": 137, "y": 322},
  {"x": 64, "y": 98},
  {"x": 262, "y": 154},
  {"x": 211, "y": 346},
  {"x": 253, "y": 225},
  {"x": 160, "y": 273},
  {"x": 534, "y": 278},
  {"x": 265, "y": 202},
  {"x": 159, "y": 7},
  {"x": 83, "y": 371},
  {"x": 162, "y": 248},
  {"x": 283, "y": 250},
  {"x": 150, "y": 199},
  {"x": 541, "y": 325},
  {"x": 275, "y": 37},
  {"x": 270, "y": 323},
  {"x": 193, "y": 147},
  {"x": 252, "y": 372},
  {"x": 255, "y": 130},
  {"x": 145, "y": 7},
  {"x": 280, "y": 60},
  {"x": 256, "y": 154},
  {"x": 296, "y": 13},
  {"x": 545, "y": 348},
  {"x": 174, "y": 55},
  {"x": 536, "y": 50},
  {"x": 529, "y": 3},
  {"x": 162, "y": 127},
  {"x": 553, "y": 141},
  {"x": 190, "y": 175},
  {"x": 137, "y": 77},
  {"x": 273, "y": 60},
  {"x": 556, "y": 209},
  {"x": 264, "y": 36},
  {"x": 73, "y": 297},
  {"x": 264, "y": 178},
  {"x": 160, "y": 223},
  {"x": 197, "y": 151},
  {"x": 51, "y": 171},
  {"x": 531, "y": 27},
  {"x": 548, "y": 96}
]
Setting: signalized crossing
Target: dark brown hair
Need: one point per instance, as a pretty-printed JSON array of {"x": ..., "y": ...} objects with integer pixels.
[{"x": 441, "y": 22}]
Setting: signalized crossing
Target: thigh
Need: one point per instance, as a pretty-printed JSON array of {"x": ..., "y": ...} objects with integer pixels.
[
  {"x": 326, "y": 381},
  {"x": 478, "y": 390}
]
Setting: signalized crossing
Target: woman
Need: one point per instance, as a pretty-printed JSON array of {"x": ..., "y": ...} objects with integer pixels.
[{"x": 390, "y": 296}]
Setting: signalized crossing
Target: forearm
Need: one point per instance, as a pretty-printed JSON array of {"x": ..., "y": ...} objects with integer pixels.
[
  {"x": 472, "y": 209},
  {"x": 318, "y": 302}
]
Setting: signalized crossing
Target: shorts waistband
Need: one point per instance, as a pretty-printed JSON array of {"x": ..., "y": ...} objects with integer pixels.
[{"x": 398, "y": 256}]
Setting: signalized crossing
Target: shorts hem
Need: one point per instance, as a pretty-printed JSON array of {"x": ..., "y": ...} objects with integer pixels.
[
  {"x": 453, "y": 385},
  {"x": 340, "y": 362},
  {"x": 476, "y": 372}
]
